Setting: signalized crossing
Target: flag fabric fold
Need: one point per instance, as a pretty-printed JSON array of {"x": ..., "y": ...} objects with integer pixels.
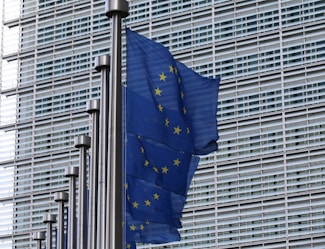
[{"x": 170, "y": 118}]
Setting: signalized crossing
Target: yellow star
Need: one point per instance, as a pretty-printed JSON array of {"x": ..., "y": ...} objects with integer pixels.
[
  {"x": 177, "y": 162},
  {"x": 179, "y": 80},
  {"x": 162, "y": 76},
  {"x": 165, "y": 169},
  {"x": 126, "y": 185},
  {"x": 171, "y": 69},
  {"x": 188, "y": 130},
  {"x": 156, "y": 196},
  {"x": 135, "y": 204},
  {"x": 146, "y": 163},
  {"x": 166, "y": 122},
  {"x": 128, "y": 246},
  {"x": 142, "y": 150},
  {"x": 128, "y": 197},
  {"x": 141, "y": 227},
  {"x": 184, "y": 110},
  {"x": 158, "y": 91},
  {"x": 175, "y": 70},
  {"x": 155, "y": 169},
  {"x": 147, "y": 222},
  {"x": 147, "y": 202},
  {"x": 177, "y": 130},
  {"x": 182, "y": 95},
  {"x": 132, "y": 227},
  {"x": 160, "y": 108}
]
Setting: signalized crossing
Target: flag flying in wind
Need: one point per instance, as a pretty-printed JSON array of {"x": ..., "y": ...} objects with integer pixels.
[{"x": 170, "y": 118}]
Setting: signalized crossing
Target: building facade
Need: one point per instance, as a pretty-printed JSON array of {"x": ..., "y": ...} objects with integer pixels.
[{"x": 264, "y": 188}]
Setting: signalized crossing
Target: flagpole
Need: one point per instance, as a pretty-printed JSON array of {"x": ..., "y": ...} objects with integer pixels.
[
  {"x": 60, "y": 198},
  {"x": 116, "y": 10},
  {"x": 102, "y": 64},
  {"x": 83, "y": 143},
  {"x": 49, "y": 219},
  {"x": 93, "y": 109},
  {"x": 72, "y": 173}
]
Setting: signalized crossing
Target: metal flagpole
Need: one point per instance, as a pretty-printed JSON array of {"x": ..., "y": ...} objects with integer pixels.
[
  {"x": 115, "y": 9},
  {"x": 102, "y": 63},
  {"x": 93, "y": 109},
  {"x": 82, "y": 142},
  {"x": 72, "y": 173},
  {"x": 60, "y": 197},
  {"x": 49, "y": 219}
]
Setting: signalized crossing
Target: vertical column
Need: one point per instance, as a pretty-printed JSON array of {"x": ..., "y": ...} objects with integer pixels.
[
  {"x": 93, "y": 109},
  {"x": 116, "y": 10},
  {"x": 39, "y": 237},
  {"x": 102, "y": 64},
  {"x": 72, "y": 173},
  {"x": 82, "y": 142},
  {"x": 49, "y": 219},
  {"x": 60, "y": 198}
]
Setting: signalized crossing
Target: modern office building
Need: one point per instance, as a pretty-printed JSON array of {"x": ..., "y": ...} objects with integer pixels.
[{"x": 265, "y": 186}]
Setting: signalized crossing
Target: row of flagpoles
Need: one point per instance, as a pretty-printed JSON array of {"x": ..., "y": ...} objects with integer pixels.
[
  {"x": 171, "y": 118},
  {"x": 99, "y": 223}
]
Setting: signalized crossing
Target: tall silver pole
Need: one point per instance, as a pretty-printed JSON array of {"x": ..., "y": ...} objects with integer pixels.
[
  {"x": 60, "y": 197},
  {"x": 39, "y": 236},
  {"x": 49, "y": 219},
  {"x": 72, "y": 173},
  {"x": 115, "y": 9},
  {"x": 102, "y": 63},
  {"x": 93, "y": 109},
  {"x": 82, "y": 142}
]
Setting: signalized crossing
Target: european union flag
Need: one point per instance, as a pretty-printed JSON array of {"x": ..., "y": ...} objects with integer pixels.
[{"x": 170, "y": 118}]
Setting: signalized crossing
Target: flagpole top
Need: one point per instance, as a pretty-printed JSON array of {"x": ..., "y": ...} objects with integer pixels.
[
  {"x": 39, "y": 235},
  {"x": 93, "y": 105},
  {"x": 117, "y": 6},
  {"x": 61, "y": 197},
  {"x": 49, "y": 218},
  {"x": 71, "y": 172},
  {"x": 102, "y": 61},
  {"x": 82, "y": 141}
]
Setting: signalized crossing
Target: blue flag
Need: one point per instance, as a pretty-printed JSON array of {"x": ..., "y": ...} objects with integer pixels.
[{"x": 170, "y": 118}]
